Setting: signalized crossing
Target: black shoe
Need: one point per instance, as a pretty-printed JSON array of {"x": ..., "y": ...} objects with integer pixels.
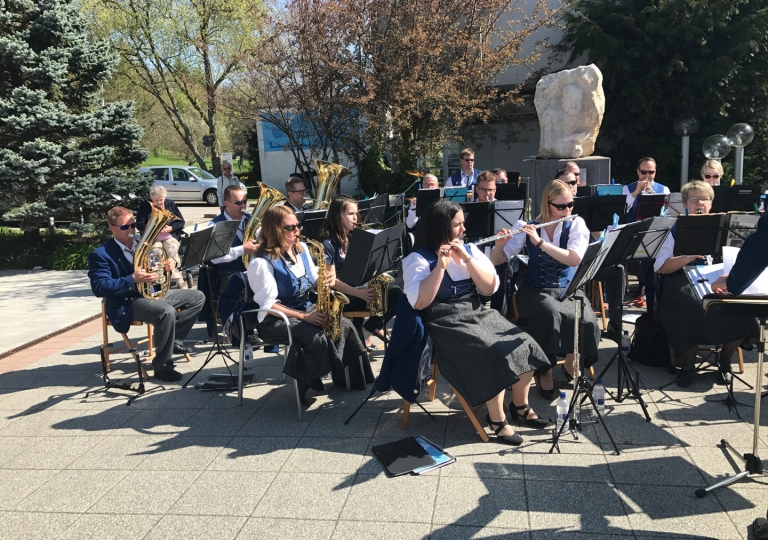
[
  {"x": 535, "y": 423},
  {"x": 684, "y": 378},
  {"x": 317, "y": 385},
  {"x": 724, "y": 378},
  {"x": 568, "y": 376},
  {"x": 514, "y": 439},
  {"x": 181, "y": 349},
  {"x": 760, "y": 528},
  {"x": 613, "y": 332},
  {"x": 168, "y": 375},
  {"x": 546, "y": 394}
]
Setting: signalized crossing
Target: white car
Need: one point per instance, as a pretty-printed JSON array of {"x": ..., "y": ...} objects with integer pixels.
[{"x": 184, "y": 183}]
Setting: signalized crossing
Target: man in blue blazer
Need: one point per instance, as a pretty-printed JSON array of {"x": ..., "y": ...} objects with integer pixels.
[
  {"x": 110, "y": 269},
  {"x": 467, "y": 175}
]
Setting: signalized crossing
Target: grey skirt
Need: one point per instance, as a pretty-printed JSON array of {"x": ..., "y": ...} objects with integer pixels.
[
  {"x": 479, "y": 352},
  {"x": 312, "y": 353},
  {"x": 550, "y": 322},
  {"x": 686, "y": 324}
]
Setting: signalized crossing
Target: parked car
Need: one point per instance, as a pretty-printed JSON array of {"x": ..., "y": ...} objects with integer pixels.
[{"x": 184, "y": 183}]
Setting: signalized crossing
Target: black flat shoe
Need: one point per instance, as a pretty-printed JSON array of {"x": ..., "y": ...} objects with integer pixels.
[
  {"x": 181, "y": 349},
  {"x": 684, "y": 378},
  {"x": 514, "y": 439},
  {"x": 317, "y": 385},
  {"x": 168, "y": 375},
  {"x": 535, "y": 423},
  {"x": 546, "y": 394}
]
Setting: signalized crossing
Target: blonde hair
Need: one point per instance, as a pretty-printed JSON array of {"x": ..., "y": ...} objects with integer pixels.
[
  {"x": 697, "y": 185},
  {"x": 116, "y": 212},
  {"x": 551, "y": 191},
  {"x": 713, "y": 164}
]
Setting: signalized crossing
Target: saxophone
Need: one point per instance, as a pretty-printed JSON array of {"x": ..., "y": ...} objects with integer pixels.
[
  {"x": 378, "y": 306},
  {"x": 151, "y": 259},
  {"x": 332, "y": 304}
]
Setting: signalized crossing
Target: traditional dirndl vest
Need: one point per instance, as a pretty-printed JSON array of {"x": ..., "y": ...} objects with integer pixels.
[
  {"x": 658, "y": 189},
  {"x": 544, "y": 271},
  {"x": 293, "y": 292},
  {"x": 449, "y": 289}
]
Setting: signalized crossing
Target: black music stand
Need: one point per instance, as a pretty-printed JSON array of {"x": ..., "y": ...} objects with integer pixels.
[
  {"x": 587, "y": 191},
  {"x": 426, "y": 198},
  {"x": 478, "y": 219},
  {"x": 637, "y": 241},
  {"x": 373, "y": 210},
  {"x": 742, "y": 198},
  {"x": 211, "y": 243},
  {"x": 311, "y": 221},
  {"x": 598, "y": 211},
  {"x": 511, "y": 192},
  {"x": 707, "y": 234},
  {"x": 582, "y": 389},
  {"x": 744, "y": 306},
  {"x": 649, "y": 206}
]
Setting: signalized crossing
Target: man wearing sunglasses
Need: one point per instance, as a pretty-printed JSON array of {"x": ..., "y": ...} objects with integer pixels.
[
  {"x": 569, "y": 179},
  {"x": 110, "y": 269},
  {"x": 467, "y": 175},
  {"x": 573, "y": 167},
  {"x": 645, "y": 185}
]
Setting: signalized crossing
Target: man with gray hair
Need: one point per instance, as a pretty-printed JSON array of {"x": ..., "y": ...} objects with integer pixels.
[
  {"x": 428, "y": 182},
  {"x": 226, "y": 179}
]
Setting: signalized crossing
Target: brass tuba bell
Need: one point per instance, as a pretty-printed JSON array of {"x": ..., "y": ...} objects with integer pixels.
[
  {"x": 328, "y": 177},
  {"x": 152, "y": 259},
  {"x": 268, "y": 197}
]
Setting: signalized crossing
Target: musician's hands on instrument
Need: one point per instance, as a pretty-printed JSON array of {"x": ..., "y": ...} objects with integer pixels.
[
  {"x": 459, "y": 252},
  {"x": 330, "y": 279},
  {"x": 315, "y": 318},
  {"x": 366, "y": 294},
  {"x": 443, "y": 256},
  {"x": 250, "y": 247},
  {"x": 169, "y": 264},
  {"x": 642, "y": 185},
  {"x": 140, "y": 276},
  {"x": 501, "y": 242},
  {"x": 719, "y": 286},
  {"x": 532, "y": 233}
]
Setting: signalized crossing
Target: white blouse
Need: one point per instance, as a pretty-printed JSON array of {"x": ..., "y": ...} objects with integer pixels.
[
  {"x": 578, "y": 238},
  {"x": 261, "y": 278},
  {"x": 416, "y": 269}
]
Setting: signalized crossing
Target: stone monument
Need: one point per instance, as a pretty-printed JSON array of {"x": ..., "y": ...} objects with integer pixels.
[{"x": 570, "y": 105}]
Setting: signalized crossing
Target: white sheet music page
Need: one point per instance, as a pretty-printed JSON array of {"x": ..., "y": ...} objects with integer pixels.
[
  {"x": 760, "y": 285},
  {"x": 706, "y": 276}
]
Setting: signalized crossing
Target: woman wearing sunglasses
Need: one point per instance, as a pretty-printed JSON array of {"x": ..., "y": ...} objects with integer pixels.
[
  {"x": 282, "y": 276},
  {"x": 712, "y": 172},
  {"x": 553, "y": 253},
  {"x": 341, "y": 220}
]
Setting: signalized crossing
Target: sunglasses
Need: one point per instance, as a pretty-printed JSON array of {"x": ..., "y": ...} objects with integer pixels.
[
  {"x": 572, "y": 183},
  {"x": 708, "y": 176},
  {"x": 469, "y": 159},
  {"x": 577, "y": 174},
  {"x": 646, "y": 172},
  {"x": 290, "y": 228},
  {"x": 562, "y": 207},
  {"x": 240, "y": 203},
  {"x": 126, "y": 226}
]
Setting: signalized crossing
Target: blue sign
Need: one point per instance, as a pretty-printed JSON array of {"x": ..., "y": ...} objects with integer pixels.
[{"x": 277, "y": 141}]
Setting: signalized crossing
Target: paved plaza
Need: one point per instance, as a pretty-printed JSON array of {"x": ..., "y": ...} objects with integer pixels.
[{"x": 182, "y": 463}]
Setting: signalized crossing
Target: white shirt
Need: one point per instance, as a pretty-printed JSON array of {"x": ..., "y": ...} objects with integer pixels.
[
  {"x": 234, "y": 252},
  {"x": 416, "y": 269},
  {"x": 667, "y": 250},
  {"x": 221, "y": 184},
  {"x": 128, "y": 252},
  {"x": 261, "y": 278},
  {"x": 578, "y": 238},
  {"x": 631, "y": 200},
  {"x": 412, "y": 218}
]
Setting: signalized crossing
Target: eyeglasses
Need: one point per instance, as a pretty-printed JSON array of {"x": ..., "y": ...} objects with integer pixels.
[
  {"x": 562, "y": 207},
  {"x": 697, "y": 200},
  {"x": 290, "y": 228},
  {"x": 646, "y": 172},
  {"x": 302, "y": 191},
  {"x": 715, "y": 176},
  {"x": 126, "y": 226},
  {"x": 240, "y": 203}
]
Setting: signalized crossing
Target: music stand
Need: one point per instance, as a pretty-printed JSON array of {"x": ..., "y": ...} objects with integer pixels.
[
  {"x": 456, "y": 194},
  {"x": 426, "y": 198},
  {"x": 216, "y": 241},
  {"x": 640, "y": 240},
  {"x": 743, "y": 198},
  {"x": 370, "y": 254},
  {"x": 373, "y": 210},
  {"x": 598, "y": 211},
  {"x": 649, "y": 206},
  {"x": 477, "y": 219},
  {"x": 507, "y": 213},
  {"x": 311, "y": 221},
  {"x": 582, "y": 389},
  {"x": 609, "y": 189},
  {"x": 511, "y": 192},
  {"x": 585, "y": 191},
  {"x": 707, "y": 234}
]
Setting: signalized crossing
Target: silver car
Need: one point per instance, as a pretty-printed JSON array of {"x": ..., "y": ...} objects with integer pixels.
[{"x": 184, "y": 183}]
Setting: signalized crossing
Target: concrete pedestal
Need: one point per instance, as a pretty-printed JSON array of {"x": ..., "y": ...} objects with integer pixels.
[{"x": 597, "y": 169}]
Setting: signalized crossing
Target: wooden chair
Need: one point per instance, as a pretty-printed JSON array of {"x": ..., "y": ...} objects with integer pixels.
[
  {"x": 710, "y": 350},
  {"x": 432, "y": 384},
  {"x": 109, "y": 347},
  {"x": 596, "y": 299}
]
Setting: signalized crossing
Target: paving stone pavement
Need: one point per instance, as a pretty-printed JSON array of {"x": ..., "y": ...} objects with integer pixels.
[{"x": 181, "y": 463}]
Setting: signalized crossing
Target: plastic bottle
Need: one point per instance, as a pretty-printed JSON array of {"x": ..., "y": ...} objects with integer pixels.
[
  {"x": 626, "y": 343},
  {"x": 248, "y": 354},
  {"x": 562, "y": 411},
  {"x": 598, "y": 394}
]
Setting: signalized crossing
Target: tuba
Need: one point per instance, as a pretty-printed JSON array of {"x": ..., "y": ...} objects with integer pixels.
[
  {"x": 328, "y": 177},
  {"x": 151, "y": 259},
  {"x": 330, "y": 303},
  {"x": 378, "y": 306},
  {"x": 268, "y": 197}
]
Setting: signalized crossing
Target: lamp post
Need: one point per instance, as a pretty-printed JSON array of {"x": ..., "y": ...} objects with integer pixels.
[
  {"x": 716, "y": 147},
  {"x": 739, "y": 136},
  {"x": 684, "y": 127}
]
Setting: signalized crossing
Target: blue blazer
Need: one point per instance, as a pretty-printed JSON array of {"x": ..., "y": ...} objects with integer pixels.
[
  {"x": 111, "y": 277},
  {"x": 752, "y": 259},
  {"x": 455, "y": 179}
]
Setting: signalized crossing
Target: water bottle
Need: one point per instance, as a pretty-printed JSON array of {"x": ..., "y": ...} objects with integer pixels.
[
  {"x": 248, "y": 354},
  {"x": 626, "y": 343},
  {"x": 562, "y": 411},
  {"x": 598, "y": 394}
]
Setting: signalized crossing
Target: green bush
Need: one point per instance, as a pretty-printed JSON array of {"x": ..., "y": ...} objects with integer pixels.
[
  {"x": 59, "y": 251},
  {"x": 73, "y": 256}
]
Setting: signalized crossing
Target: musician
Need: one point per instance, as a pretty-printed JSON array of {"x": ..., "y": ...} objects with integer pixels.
[
  {"x": 552, "y": 255},
  {"x": 281, "y": 276},
  {"x": 500, "y": 175},
  {"x": 467, "y": 175},
  {"x": 712, "y": 172},
  {"x": 342, "y": 218},
  {"x": 485, "y": 189},
  {"x": 569, "y": 179},
  {"x": 752, "y": 260},
  {"x": 168, "y": 239},
  {"x": 479, "y": 352},
  {"x": 685, "y": 323},
  {"x": 573, "y": 167},
  {"x": 295, "y": 190},
  {"x": 227, "y": 179},
  {"x": 112, "y": 276},
  {"x": 646, "y": 173},
  {"x": 428, "y": 182}
]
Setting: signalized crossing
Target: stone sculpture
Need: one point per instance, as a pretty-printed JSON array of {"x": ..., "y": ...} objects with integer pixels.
[{"x": 570, "y": 105}]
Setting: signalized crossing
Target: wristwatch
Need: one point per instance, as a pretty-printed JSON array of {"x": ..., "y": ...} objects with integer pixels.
[{"x": 541, "y": 241}]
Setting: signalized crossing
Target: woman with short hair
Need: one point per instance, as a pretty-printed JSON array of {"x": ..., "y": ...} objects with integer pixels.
[{"x": 168, "y": 239}]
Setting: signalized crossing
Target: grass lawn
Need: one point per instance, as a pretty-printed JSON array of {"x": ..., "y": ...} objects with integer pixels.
[{"x": 169, "y": 158}]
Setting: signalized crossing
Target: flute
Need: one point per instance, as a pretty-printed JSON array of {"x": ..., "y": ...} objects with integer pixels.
[{"x": 513, "y": 232}]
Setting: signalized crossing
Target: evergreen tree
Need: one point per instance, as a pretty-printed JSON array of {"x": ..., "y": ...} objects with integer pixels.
[
  {"x": 665, "y": 58},
  {"x": 61, "y": 149}
]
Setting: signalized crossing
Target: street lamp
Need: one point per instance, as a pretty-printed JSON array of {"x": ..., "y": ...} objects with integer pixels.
[
  {"x": 685, "y": 127},
  {"x": 716, "y": 147},
  {"x": 739, "y": 136}
]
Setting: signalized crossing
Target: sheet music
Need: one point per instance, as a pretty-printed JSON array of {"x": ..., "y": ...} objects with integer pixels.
[
  {"x": 675, "y": 205},
  {"x": 760, "y": 285},
  {"x": 705, "y": 276},
  {"x": 741, "y": 226},
  {"x": 507, "y": 213}
]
